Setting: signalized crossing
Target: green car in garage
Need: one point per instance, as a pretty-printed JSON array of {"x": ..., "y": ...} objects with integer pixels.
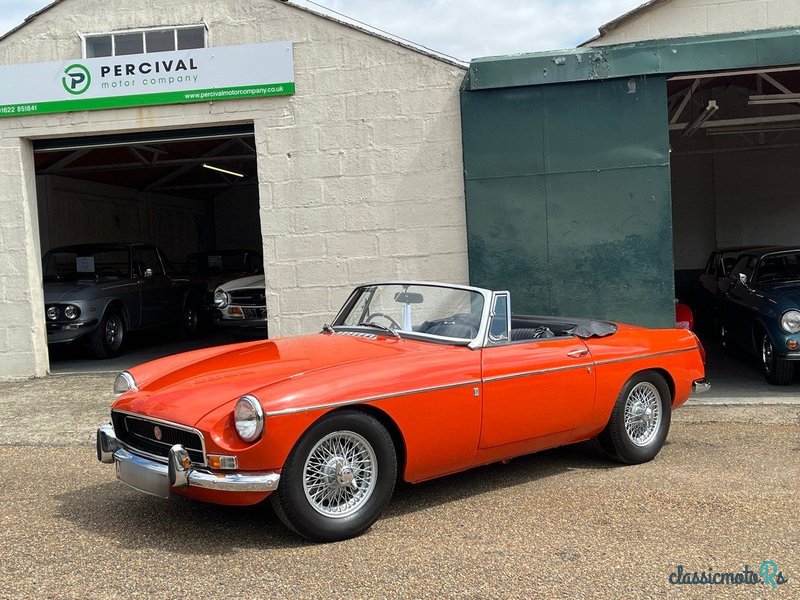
[
  {"x": 761, "y": 309},
  {"x": 103, "y": 291}
]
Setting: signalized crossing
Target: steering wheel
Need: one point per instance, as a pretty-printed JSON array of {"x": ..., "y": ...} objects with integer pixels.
[{"x": 394, "y": 324}]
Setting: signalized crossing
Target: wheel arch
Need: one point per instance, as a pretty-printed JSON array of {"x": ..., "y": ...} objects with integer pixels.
[
  {"x": 119, "y": 306},
  {"x": 670, "y": 381},
  {"x": 384, "y": 419}
]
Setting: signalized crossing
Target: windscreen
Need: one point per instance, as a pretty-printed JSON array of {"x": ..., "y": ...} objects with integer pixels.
[
  {"x": 431, "y": 310},
  {"x": 87, "y": 264},
  {"x": 782, "y": 267}
]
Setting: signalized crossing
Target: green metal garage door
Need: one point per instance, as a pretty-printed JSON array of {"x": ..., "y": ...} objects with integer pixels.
[
  {"x": 568, "y": 201},
  {"x": 566, "y": 170}
]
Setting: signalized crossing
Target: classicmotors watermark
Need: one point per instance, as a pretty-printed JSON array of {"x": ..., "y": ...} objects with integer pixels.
[{"x": 768, "y": 574}]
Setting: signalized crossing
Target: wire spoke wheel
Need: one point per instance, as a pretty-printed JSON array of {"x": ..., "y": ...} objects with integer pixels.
[
  {"x": 340, "y": 474},
  {"x": 643, "y": 411}
]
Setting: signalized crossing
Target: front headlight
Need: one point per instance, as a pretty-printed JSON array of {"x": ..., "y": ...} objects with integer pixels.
[
  {"x": 249, "y": 418},
  {"x": 53, "y": 313},
  {"x": 71, "y": 312},
  {"x": 791, "y": 321},
  {"x": 221, "y": 299},
  {"x": 123, "y": 383}
]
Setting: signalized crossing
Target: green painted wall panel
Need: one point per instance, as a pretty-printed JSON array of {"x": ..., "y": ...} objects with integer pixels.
[
  {"x": 507, "y": 232},
  {"x": 610, "y": 244},
  {"x": 591, "y": 235},
  {"x": 577, "y": 116},
  {"x": 505, "y": 151}
]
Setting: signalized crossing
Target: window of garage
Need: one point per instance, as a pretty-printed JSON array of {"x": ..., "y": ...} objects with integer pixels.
[{"x": 149, "y": 226}]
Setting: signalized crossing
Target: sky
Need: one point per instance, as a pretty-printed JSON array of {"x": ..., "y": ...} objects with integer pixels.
[{"x": 462, "y": 29}]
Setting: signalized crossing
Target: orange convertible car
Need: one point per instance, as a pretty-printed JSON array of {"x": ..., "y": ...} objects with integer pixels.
[{"x": 411, "y": 380}]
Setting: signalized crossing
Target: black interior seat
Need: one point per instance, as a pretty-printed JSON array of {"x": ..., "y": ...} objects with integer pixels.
[{"x": 531, "y": 333}]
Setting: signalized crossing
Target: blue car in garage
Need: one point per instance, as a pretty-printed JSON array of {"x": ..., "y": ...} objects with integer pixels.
[{"x": 760, "y": 309}]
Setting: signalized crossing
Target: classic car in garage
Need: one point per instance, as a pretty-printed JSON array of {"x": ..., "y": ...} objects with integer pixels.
[
  {"x": 100, "y": 292},
  {"x": 241, "y": 307},
  {"x": 410, "y": 381},
  {"x": 760, "y": 309}
]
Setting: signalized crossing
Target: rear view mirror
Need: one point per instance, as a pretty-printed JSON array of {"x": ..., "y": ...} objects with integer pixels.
[
  {"x": 408, "y": 298},
  {"x": 743, "y": 278},
  {"x": 148, "y": 273}
]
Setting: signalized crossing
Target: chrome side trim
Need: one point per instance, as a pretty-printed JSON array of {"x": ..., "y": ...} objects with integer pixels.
[
  {"x": 584, "y": 365},
  {"x": 537, "y": 372},
  {"x": 300, "y": 409},
  {"x": 643, "y": 356},
  {"x": 169, "y": 423}
]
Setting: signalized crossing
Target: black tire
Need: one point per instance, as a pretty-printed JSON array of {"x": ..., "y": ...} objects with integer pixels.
[
  {"x": 189, "y": 320},
  {"x": 776, "y": 370},
  {"x": 293, "y": 506},
  {"x": 615, "y": 439},
  {"x": 109, "y": 336}
]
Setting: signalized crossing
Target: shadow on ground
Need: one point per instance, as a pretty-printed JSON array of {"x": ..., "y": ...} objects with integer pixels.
[{"x": 180, "y": 525}]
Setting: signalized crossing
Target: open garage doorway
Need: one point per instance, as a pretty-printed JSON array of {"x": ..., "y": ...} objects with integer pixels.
[
  {"x": 137, "y": 232},
  {"x": 734, "y": 150}
]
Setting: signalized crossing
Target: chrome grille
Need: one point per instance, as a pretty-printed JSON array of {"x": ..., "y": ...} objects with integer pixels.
[
  {"x": 139, "y": 433},
  {"x": 249, "y": 297}
]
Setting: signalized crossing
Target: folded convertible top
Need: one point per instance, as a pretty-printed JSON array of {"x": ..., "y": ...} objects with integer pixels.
[{"x": 582, "y": 328}]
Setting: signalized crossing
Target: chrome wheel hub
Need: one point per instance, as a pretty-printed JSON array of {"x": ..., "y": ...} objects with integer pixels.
[
  {"x": 112, "y": 331},
  {"x": 340, "y": 474},
  {"x": 643, "y": 413}
]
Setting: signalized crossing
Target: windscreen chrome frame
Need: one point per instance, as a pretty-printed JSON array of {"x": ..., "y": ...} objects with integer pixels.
[{"x": 477, "y": 342}]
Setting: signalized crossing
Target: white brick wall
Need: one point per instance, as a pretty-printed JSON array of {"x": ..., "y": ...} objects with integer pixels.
[
  {"x": 680, "y": 18},
  {"x": 368, "y": 148}
]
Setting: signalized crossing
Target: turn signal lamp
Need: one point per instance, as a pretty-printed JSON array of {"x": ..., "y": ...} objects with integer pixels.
[
  {"x": 225, "y": 463},
  {"x": 792, "y": 344}
]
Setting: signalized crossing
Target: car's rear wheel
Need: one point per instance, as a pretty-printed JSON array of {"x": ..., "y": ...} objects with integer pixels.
[
  {"x": 107, "y": 339},
  {"x": 777, "y": 370},
  {"x": 338, "y": 478},
  {"x": 640, "y": 419}
]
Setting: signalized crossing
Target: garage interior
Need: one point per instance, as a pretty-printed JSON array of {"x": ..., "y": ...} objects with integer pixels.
[
  {"x": 734, "y": 147},
  {"x": 185, "y": 191}
]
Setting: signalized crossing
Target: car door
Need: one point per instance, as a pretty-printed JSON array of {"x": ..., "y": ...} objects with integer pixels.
[
  {"x": 533, "y": 388},
  {"x": 156, "y": 290},
  {"x": 739, "y": 303}
]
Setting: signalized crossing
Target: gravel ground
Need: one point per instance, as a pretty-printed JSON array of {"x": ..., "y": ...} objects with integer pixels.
[{"x": 563, "y": 523}]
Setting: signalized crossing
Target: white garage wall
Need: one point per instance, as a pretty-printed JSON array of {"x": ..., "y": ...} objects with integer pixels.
[
  {"x": 733, "y": 199},
  {"x": 681, "y": 18},
  {"x": 361, "y": 174}
]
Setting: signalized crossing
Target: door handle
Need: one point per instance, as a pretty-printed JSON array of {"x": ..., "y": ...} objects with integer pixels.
[{"x": 577, "y": 353}]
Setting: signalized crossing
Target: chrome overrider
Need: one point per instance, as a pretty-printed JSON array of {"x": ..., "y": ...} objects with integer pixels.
[
  {"x": 158, "y": 478},
  {"x": 700, "y": 386}
]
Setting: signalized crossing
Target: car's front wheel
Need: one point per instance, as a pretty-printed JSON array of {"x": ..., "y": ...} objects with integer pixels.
[
  {"x": 190, "y": 319},
  {"x": 106, "y": 340},
  {"x": 640, "y": 419},
  {"x": 777, "y": 370},
  {"x": 338, "y": 478}
]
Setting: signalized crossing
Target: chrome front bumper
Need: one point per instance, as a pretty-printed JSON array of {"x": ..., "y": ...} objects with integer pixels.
[
  {"x": 156, "y": 478},
  {"x": 700, "y": 386}
]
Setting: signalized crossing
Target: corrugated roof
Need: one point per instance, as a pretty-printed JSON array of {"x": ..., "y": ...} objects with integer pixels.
[{"x": 363, "y": 29}]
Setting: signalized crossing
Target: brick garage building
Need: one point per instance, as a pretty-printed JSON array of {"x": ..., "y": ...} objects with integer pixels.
[{"x": 359, "y": 172}]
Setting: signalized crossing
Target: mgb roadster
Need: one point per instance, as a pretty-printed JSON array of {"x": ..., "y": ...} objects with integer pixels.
[{"x": 410, "y": 381}]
